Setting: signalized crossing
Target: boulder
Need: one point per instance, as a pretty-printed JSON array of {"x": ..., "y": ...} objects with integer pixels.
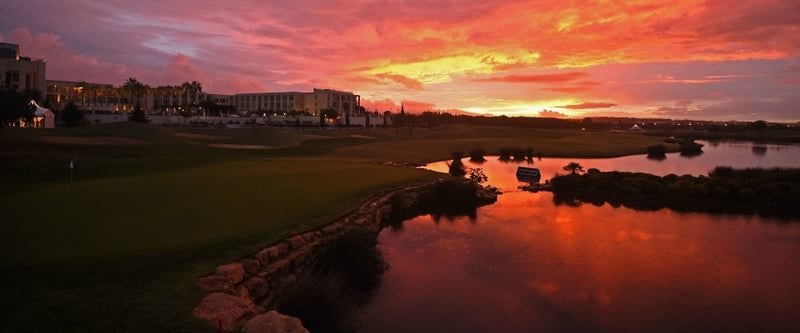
[
  {"x": 226, "y": 312},
  {"x": 215, "y": 282},
  {"x": 296, "y": 242},
  {"x": 258, "y": 287},
  {"x": 234, "y": 272},
  {"x": 263, "y": 256},
  {"x": 251, "y": 265},
  {"x": 278, "y": 267},
  {"x": 277, "y": 251},
  {"x": 274, "y": 322}
]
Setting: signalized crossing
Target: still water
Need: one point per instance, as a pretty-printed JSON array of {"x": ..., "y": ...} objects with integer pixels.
[{"x": 526, "y": 265}]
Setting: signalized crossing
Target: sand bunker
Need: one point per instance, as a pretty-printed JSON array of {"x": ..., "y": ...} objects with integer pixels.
[
  {"x": 93, "y": 140},
  {"x": 234, "y": 146},
  {"x": 195, "y": 136}
]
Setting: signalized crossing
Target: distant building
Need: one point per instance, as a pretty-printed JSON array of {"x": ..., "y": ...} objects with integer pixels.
[
  {"x": 20, "y": 73},
  {"x": 88, "y": 96},
  {"x": 312, "y": 103}
]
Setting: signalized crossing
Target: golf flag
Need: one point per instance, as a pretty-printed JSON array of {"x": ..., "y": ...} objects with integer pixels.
[{"x": 71, "y": 165}]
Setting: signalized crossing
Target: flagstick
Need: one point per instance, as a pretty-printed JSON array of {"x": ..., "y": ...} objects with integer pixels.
[{"x": 71, "y": 170}]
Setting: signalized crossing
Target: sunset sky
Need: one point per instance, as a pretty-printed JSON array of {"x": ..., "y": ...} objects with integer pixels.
[{"x": 721, "y": 60}]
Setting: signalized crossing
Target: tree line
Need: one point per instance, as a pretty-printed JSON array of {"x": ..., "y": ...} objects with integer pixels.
[{"x": 768, "y": 192}]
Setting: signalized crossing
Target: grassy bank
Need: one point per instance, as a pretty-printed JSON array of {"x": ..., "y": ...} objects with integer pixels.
[{"x": 118, "y": 249}]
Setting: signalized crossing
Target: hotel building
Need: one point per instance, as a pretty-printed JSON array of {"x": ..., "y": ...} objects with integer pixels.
[
  {"x": 20, "y": 73},
  {"x": 285, "y": 102}
]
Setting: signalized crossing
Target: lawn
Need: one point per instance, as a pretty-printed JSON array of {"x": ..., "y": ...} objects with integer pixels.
[{"x": 118, "y": 249}]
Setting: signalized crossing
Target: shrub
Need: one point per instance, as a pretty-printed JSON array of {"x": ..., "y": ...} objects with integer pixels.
[
  {"x": 505, "y": 154},
  {"x": 657, "y": 151},
  {"x": 476, "y": 155}
]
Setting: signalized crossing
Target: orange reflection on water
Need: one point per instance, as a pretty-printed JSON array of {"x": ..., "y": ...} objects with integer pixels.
[{"x": 528, "y": 265}]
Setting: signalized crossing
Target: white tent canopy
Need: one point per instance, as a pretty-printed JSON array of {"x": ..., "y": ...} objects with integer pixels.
[{"x": 42, "y": 117}]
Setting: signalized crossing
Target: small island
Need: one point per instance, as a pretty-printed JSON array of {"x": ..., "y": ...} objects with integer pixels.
[{"x": 766, "y": 192}]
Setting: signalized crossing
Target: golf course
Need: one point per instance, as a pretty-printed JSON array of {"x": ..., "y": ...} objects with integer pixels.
[{"x": 106, "y": 227}]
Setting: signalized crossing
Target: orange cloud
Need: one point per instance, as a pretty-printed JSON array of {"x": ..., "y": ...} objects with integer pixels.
[
  {"x": 588, "y": 105},
  {"x": 537, "y": 78},
  {"x": 403, "y": 80},
  {"x": 551, "y": 114}
]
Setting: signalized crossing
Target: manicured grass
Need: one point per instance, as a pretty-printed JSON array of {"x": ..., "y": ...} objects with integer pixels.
[
  {"x": 118, "y": 250},
  {"x": 551, "y": 143},
  {"x": 185, "y": 208},
  {"x": 141, "y": 241}
]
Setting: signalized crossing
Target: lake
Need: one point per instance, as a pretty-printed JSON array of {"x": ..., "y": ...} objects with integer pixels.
[{"x": 525, "y": 264}]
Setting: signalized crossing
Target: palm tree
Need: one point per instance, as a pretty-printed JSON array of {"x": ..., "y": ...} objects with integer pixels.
[{"x": 134, "y": 90}]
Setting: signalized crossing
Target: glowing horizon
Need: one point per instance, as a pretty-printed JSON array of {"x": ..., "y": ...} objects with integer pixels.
[{"x": 697, "y": 59}]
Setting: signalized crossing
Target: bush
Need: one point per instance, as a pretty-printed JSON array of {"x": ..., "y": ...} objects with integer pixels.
[
  {"x": 456, "y": 166},
  {"x": 657, "y": 151},
  {"x": 72, "y": 115},
  {"x": 477, "y": 155},
  {"x": 138, "y": 114},
  {"x": 505, "y": 154}
]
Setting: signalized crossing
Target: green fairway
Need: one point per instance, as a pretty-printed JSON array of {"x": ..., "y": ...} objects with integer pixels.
[
  {"x": 153, "y": 208},
  {"x": 186, "y": 208}
]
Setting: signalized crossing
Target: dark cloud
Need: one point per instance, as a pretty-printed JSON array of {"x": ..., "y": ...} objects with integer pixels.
[{"x": 783, "y": 109}]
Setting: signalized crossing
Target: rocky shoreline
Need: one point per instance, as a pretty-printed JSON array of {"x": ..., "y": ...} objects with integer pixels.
[{"x": 240, "y": 292}]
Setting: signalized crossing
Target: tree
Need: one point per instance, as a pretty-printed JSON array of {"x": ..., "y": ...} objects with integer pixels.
[
  {"x": 134, "y": 90},
  {"x": 574, "y": 168},
  {"x": 72, "y": 115},
  {"x": 14, "y": 105},
  {"x": 760, "y": 125}
]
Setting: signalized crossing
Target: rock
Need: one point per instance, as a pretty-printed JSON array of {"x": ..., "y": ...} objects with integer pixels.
[
  {"x": 226, "y": 312},
  {"x": 274, "y": 322},
  {"x": 277, "y": 251},
  {"x": 215, "y": 282},
  {"x": 250, "y": 265},
  {"x": 234, "y": 272},
  {"x": 258, "y": 287},
  {"x": 299, "y": 257},
  {"x": 278, "y": 267},
  {"x": 296, "y": 242},
  {"x": 263, "y": 256}
]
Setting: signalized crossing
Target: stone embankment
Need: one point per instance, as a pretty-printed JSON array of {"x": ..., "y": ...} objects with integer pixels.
[{"x": 239, "y": 292}]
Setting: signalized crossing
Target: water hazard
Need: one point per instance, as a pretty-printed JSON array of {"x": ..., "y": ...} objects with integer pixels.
[{"x": 525, "y": 264}]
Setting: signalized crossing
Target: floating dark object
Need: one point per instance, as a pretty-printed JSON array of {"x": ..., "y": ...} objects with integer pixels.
[{"x": 527, "y": 174}]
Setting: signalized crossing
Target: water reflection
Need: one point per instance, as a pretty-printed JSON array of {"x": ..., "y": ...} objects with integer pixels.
[
  {"x": 734, "y": 154},
  {"x": 759, "y": 150},
  {"x": 525, "y": 264}
]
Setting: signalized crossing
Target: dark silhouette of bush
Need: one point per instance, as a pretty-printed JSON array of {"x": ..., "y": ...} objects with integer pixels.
[
  {"x": 519, "y": 154},
  {"x": 457, "y": 166},
  {"x": 138, "y": 114},
  {"x": 477, "y": 155},
  {"x": 72, "y": 115},
  {"x": 505, "y": 154},
  {"x": 529, "y": 154},
  {"x": 657, "y": 151},
  {"x": 768, "y": 192}
]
